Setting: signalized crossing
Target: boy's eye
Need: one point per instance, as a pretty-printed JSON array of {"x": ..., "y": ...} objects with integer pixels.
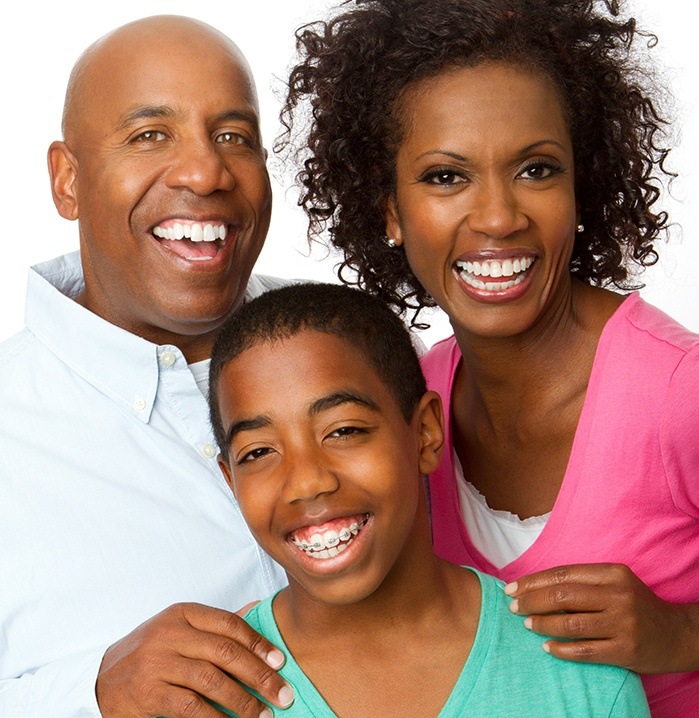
[
  {"x": 253, "y": 455},
  {"x": 345, "y": 431}
]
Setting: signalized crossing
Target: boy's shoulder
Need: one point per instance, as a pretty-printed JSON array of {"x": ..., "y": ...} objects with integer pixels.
[{"x": 508, "y": 660}]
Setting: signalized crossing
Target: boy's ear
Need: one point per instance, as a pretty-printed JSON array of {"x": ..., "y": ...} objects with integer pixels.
[
  {"x": 431, "y": 426},
  {"x": 392, "y": 222},
  {"x": 63, "y": 168},
  {"x": 225, "y": 469}
]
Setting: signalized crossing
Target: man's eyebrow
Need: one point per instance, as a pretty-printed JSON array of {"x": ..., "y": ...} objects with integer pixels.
[
  {"x": 238, "y": 115},
  {"x": 237, "y": 427},
  {"x": 346, "y": 396},
  {"x": 146, "y": 112}
]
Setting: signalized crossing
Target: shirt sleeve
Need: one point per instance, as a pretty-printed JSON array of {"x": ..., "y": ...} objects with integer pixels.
[
  {"x": 631, "y": 700},
  {"x": 63, "y": 689},
  {"x": 679, "y": 432}
]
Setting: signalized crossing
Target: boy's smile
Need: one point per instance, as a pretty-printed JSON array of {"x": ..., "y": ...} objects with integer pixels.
[
  {"x": 324, "y": 465},
  {"x": 330, "y": 538}
]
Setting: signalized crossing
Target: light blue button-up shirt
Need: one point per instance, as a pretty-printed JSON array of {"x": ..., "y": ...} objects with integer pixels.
[{"x": 112, "y": 506}]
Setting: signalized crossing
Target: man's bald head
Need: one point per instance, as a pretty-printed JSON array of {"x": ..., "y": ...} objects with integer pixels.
[{"x": 156, "y": 33}]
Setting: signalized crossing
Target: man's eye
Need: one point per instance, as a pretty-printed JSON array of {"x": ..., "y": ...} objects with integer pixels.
[
  {"x": 231, "y": 138},
  {"x": 151, "y": 136}
]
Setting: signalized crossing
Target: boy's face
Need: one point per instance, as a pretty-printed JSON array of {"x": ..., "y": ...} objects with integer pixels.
[{"x": 323, "y": 464}]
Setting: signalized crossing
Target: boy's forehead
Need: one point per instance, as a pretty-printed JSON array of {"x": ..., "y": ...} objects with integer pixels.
[{"x": 298, "y": 369}]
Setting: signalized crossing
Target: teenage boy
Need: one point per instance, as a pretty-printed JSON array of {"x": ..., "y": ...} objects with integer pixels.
[{"x": 326, "y": 430}]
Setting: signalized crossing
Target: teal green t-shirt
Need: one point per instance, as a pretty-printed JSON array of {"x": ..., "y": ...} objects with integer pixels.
[{"x": 507, "y": 674}]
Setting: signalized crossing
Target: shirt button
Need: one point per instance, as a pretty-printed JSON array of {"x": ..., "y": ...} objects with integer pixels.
[
  {"x": 209, "y": 451},
  {"x": 139, "y": 404},
  {"x": 167, "y": 358}
]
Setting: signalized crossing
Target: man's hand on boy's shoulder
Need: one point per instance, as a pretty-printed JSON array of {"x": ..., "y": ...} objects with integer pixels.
[{"x": 169, "y": 663}]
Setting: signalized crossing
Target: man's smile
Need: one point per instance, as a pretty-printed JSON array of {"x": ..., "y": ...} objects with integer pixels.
[{"x": 192, "y": 240}]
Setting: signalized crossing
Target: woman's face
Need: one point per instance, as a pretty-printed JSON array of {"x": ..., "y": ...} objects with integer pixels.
[{"x": 485, "y": 199}]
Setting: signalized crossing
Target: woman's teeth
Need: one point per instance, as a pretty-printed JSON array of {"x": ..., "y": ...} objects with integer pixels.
[
  {"x": 331, "y": 542},
  {"x": 494, "y": 268}
]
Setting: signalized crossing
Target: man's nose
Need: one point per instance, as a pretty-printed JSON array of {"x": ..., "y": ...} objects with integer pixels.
[{"x": 199, "y": 167}]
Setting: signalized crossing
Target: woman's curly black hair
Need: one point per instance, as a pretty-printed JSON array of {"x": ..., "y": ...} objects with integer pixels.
[{"x": 342, "y": 116}]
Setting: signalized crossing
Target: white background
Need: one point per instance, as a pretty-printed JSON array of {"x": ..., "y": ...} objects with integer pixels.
[{"x": 42, "y": 41}]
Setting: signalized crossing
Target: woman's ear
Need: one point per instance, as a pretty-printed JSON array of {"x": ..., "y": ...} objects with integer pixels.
[
  {"x": 430, "y": 421},
  {"x": 63, "y": 169},
  {"x": 390, "y": 212}
]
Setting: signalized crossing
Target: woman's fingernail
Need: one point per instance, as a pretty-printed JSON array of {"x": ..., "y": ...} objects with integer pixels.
[
  {"x": 286, "y": 696},
  {"x": 266, "y": 713},
  {"x": 511, "y": 588},
  {"x": 514, "y": 606},
  {"x": 275, "y": 659},
  {"x": 528, "y": 622},
  {"x": 546, "y": 647}
]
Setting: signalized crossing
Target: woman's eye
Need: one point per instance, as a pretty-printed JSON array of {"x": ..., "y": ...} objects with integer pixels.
[
  {"x": 253, "y": 455},
  {"x": 151, "y": 136},
  {"x": 443, "y": 177},
  {"x": 540, "y": 170}
]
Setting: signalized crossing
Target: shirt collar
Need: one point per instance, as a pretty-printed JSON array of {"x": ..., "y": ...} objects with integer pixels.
[{"x": 119, "y": 364}]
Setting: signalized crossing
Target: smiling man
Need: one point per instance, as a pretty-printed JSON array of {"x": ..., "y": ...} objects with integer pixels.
[{"x": 118, "y": 530}]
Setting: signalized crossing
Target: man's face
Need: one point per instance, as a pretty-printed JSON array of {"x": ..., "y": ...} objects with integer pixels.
[{"x": 170, "y": 184}]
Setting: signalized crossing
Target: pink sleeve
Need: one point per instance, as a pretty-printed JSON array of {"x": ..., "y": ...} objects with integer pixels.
[{"x": 680, "y": 434}]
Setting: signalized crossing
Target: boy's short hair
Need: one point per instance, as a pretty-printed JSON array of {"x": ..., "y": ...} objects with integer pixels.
[{"x": 365, "y": 322}]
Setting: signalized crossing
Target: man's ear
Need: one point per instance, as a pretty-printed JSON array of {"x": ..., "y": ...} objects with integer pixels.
[
  {"x": 225, "y": 469},
  {"x": 63, "y": 169},
  {"x": 431, "y": 427},
  {"x": 390, "y": 213}
]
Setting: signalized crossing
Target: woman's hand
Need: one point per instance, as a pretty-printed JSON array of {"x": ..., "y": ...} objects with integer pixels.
[{"x": 606, "y": 614}]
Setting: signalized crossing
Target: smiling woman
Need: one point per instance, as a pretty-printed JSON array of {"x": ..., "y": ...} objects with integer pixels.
[{"x": 507, "y": 167}]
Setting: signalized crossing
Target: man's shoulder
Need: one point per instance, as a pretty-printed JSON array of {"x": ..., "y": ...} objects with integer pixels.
[{"x": 16, "y": 351}]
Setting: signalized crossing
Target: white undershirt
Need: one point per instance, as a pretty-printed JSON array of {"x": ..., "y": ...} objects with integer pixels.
[
  {"x": 499, "y": 535},
  {"x": 200, "y": 372}
]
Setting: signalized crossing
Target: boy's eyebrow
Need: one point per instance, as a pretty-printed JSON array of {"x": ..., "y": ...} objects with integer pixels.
[
  {"x": 246, "y": 425},
  {"x": 341, "y": 397}
]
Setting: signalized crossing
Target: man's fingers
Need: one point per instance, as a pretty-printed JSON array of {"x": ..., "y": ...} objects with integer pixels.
[
  {"x": 202, "y": 679},
  {"x": 219, "y": 658},
  {"x": 232, "y": 626},
  {"x": 181, "y": 702}
]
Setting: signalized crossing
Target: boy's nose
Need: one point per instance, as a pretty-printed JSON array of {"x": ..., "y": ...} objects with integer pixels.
[{"x": 307, "y": 478}]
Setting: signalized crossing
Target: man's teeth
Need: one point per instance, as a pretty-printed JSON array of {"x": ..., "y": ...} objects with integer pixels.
[
  {"x": 329, "y": 543},
  {"x": 495, "y": 268},
  {"x": 194, "y": 231}
]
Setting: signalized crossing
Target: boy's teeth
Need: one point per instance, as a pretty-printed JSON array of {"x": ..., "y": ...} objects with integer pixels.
[
  {"x": 194, "y": 231},
  {"x": 331, "y": 542}
]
